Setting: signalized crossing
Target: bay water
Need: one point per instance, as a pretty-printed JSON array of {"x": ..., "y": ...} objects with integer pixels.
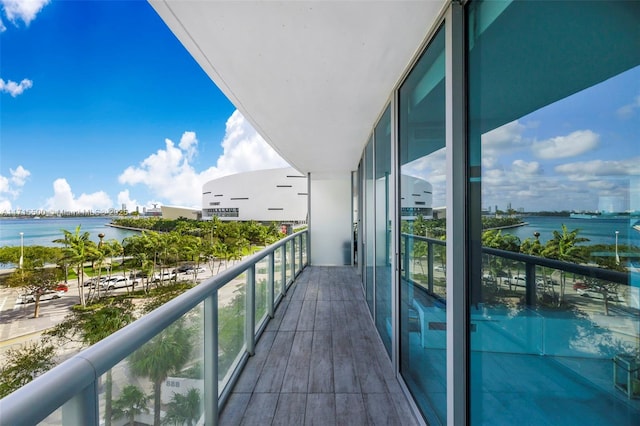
[{"x": 42, "y": 232}]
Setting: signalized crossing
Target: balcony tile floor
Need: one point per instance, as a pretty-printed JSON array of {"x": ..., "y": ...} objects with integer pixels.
[{"x": 320, "y": 361}]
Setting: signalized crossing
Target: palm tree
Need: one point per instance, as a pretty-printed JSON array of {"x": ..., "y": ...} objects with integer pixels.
[
  {"x": 78, "y": 249},
  {"x": 93, "y": 324},
  {"x": 184, "y": 409},
  {"x": 563, "y": 246},
  {"x": 132, "y": 402},
  {"x": 164, "y": 354}
]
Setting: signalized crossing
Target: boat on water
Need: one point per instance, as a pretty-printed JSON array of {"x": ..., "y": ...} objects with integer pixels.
[
  {"x": 636, "y": 226},
  {"x": 583, "y": 216}
]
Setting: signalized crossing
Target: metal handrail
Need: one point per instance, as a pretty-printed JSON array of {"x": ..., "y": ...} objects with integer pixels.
[
  {"x": 38, "y": 399},
  {"x": 576, "y": 268}
]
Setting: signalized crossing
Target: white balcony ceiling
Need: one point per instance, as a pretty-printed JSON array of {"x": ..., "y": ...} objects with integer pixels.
[{"x": 312, "y": 77}]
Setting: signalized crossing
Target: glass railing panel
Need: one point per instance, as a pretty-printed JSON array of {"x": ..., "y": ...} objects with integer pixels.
[
  {"x": 231, "y": 326},
  {"x": 53, "y": 419},
  {"x": 512, "y": 329},
  {"x": 298, "y": 260},
  {"x": 288, "y": 262},
  {"x": 161, "y": 382},
  {"x": 304, "y": 249},
  {"x": 262, "y": 286},
  {"x": 588, "y": 317},
  {"x": 278, "y": 282}
]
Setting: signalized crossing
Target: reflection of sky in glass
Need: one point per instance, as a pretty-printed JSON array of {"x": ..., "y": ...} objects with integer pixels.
[{"x": 580, "y": 153}]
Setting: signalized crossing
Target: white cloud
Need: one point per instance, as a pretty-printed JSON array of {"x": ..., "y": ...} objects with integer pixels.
[
  {"x": 169, "y": 175},
  {"x": 627, "y": 111},
  {"x": 22, "y": 10},
  {"x": 189, "y": 144},
  {"x": 13, "y": 88},
  {"x": 524, "y": 170},
  {"x": 64, "y": 199},
  {"x": 597, "y": 169},
  {"x": 19, "y": 176},
  {"x": 574, "y": 144},
  {"x": 4, "y": 184},
  {"x": 497, "y": 142},
  {"x": 2, "y": 27},
  {"x": 504, "y": 136},
  {"x": 244, "y": 149},
  {"x": 11, "y": 187}
]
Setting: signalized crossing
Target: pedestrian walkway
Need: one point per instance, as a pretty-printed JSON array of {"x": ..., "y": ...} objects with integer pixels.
[{"x": 320, "y": 361}]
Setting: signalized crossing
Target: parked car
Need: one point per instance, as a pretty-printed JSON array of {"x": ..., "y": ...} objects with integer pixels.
[
  {"x": 164, "y": 276},
  {"x": 184, "y": 268},
  {"x": 92, "y": 282},
  {"x": 47, "y": 295},
  {"x": 580, "y": 285},
  {"x": 596, "y": 292},
  {"x": 549, "y": 282},
  {"x": 194, "y": 270},
  {"x": 62, "y": 287},
  {"x": 519, "y": 280},
  {"x": 489, "y": 279},
  {"x": 115, "y": 282}
]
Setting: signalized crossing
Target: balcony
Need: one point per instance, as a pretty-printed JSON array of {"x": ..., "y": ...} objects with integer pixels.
[
  {"x": 319, "y": 361},
  {"x": 296, "y": 345},
  {"x": 316, "y": 356}
]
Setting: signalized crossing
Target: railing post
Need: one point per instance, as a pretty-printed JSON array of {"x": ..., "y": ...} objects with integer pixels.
[
  {"x": 211, "y": 360},
  {"x": 430, "y": 248},
  {"x": 271, "y": 280},
  {"x": 82, "y": 409},
  {"x": 530, "y": 295},
  {"x": 250, "y": 311}
]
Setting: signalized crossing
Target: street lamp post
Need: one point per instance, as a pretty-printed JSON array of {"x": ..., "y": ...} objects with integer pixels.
[
  {"x": 21, "y": 254},
  {"x": 21, "y": 249},
  {"x": 617, "y": 256}
]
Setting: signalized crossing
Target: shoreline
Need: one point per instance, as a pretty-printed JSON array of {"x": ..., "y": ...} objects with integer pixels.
[
  {"x": 517, "y": 225},
  {"x": 128, "y": 228}
]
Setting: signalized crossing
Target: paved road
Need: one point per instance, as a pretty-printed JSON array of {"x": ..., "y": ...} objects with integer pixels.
[{"x": 17, "y": 324}]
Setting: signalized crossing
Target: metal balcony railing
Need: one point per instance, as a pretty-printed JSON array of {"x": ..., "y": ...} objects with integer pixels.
[{"x": 222, "y": 317}]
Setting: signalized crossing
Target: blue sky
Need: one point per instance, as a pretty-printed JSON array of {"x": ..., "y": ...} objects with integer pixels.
[
  {"x": 101, "y": 105},
  {"x": 580, "y": 153}
]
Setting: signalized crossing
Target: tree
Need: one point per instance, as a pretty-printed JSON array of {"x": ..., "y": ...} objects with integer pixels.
[
  {"x": 495, "y": 239},
  {"x": 184, "y": 409},
  {"x": 131, "y": 402},
  {"x": 78, "y": 250},
  {"x": 35, "y": 282},
  {"x": 24, "y": 364},
  {"x": 164, "y": 354},
  {"x": 564, "y": 246},
  {"x": 92, "y": 323}
]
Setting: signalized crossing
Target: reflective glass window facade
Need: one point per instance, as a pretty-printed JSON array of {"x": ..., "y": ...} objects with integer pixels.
[
  {"x": 554, "y": 160},
  {"x": 550, "y": 123},
  {"x": 422, "y": 154}
]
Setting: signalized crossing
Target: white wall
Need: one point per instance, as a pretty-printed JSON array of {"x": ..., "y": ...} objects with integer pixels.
[{"x": 330, "y": 219}]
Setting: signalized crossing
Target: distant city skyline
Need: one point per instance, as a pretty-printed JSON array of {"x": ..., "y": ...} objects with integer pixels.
[{"x": 102, "y": 106}]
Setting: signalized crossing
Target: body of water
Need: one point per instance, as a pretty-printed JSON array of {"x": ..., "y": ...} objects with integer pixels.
[
  {"x": 42, "y": 232},
  {"x": 598, "y": 230}
]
